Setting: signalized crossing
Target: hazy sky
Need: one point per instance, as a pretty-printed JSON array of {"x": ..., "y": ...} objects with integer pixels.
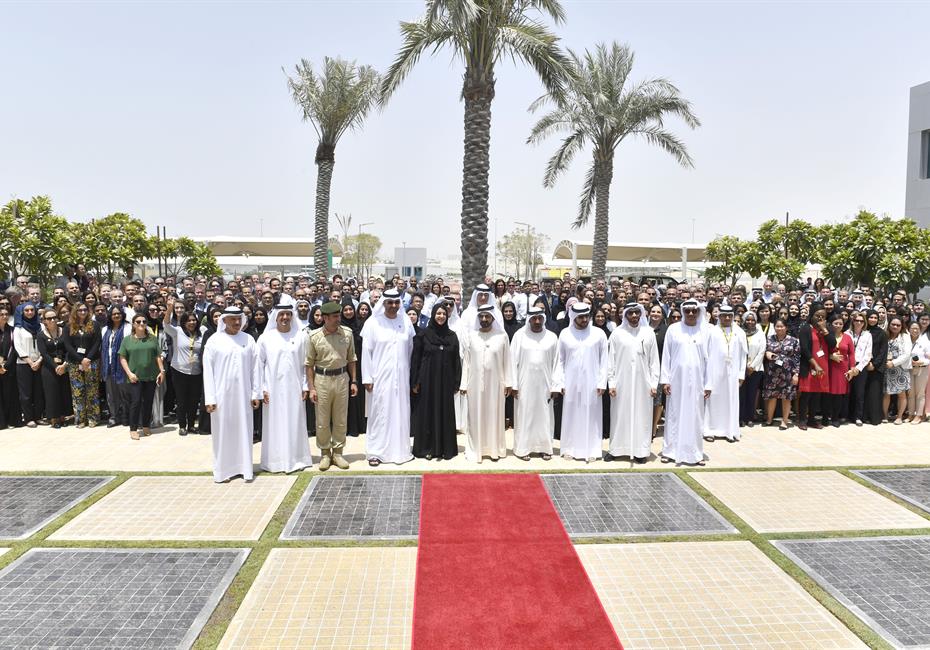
[{"x": 178, "y": 113}]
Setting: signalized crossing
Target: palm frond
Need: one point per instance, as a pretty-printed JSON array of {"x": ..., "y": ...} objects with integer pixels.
[
  {"x": 549, "y": 124},
  {"x": 336, "y": 99},
  {"x": 562, "y": 158},
  {"x": 534, "y": 44},
  {"x": 657, "y": 136},
  {"x": 588, "y": 193},
  {"x": 418, "y": 37}
]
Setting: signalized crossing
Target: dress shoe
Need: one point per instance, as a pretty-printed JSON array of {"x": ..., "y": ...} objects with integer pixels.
[
  {"x": 146, "y": 431},
  {"x": 326, "y": 460},
  {"x": 639, "y": 460},
  {"x": 339, "y": 461},
  {"x": 609, "y": 457}
]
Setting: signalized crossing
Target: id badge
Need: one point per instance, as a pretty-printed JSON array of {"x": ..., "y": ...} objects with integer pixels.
[
  {"x": 81, "y": 350},
  {"x": 779, "y": 362},
  {"x": 819, "y": 353}
]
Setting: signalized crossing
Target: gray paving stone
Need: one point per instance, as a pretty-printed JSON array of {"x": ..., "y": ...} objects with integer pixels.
[
  {"x": 601, "y": 505},
  {"x": 885, "y": 581},
  {"x": 357, "y": 507},
  {"x": 112, "y": 598},
  {"x": 27, "y": 503},
  {"x": 912, "y": 485}
]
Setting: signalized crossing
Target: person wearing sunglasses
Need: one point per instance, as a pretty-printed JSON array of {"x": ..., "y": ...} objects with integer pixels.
[
  {"x": 140, "y": 356},
  {"x": 862, "y": 343}
]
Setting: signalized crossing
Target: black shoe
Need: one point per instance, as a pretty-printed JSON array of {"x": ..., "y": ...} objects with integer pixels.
[
  {"x": 639, "y": 461},
  {"x": 609, "y": 457},
  {"x": 182, "y": 431},
  {"x": 111, "y": 424}
]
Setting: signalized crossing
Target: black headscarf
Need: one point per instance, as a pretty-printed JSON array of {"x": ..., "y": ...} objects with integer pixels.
[
  {"x": 352, "y": 323},
  {"x": 438, "y": 334},
  {"x": 311, "y": 323},
  {"x": 211, "y": 328},
  {"x": 511, "y": 326},
  {"x": 254, "y": 328}
]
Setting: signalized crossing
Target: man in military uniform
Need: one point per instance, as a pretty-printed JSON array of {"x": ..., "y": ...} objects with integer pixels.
[{"x": 330, "y": 358}]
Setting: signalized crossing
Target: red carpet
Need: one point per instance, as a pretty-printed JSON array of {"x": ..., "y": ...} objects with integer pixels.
[{"x": 496, "y": 569}]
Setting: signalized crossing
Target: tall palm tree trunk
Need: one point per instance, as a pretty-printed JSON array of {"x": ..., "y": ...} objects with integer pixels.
[
  {"x": 325, "y": 161},
  {"x": 604, "y": 170},
  {"x": 478, "y": 92}
]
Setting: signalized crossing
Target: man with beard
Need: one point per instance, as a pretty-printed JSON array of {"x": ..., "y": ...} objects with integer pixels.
[
  {"x": 535, "y": 358},
  {"x": 487, "y": 379},
  {"x": 387, "y": 344},
  {"x": 633, "y": 378},
  {"x": 685, "y": 376}
]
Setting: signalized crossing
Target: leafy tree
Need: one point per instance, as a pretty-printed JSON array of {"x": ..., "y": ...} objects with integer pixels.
[
  {"x": 188, "y": 257},
  {"x": 35, "y": 240},
  {"x": 361, "y": 252},
  {"x": 736, "y": 256},
  {"x": 481, "y": 33},
  {"x": 524, "y": 250},
  {"x": 601, "y": 108},
  {"x": 114, "y": 243},
  {"x": 336, "y": 100}
]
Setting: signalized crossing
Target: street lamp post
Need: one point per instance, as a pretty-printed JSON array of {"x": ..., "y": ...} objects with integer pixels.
[
  {"x": 358, "y": 249},
  {"x": 529, "y": 246}
]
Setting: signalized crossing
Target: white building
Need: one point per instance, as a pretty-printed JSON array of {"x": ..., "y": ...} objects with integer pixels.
[{"x": 917, "y": 197}]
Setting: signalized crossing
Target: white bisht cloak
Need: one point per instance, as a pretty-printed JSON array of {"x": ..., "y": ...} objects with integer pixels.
[
  {"x": 535, "y": 358},
  {"x": 386, "y": 348},
  {"x": 486, "y": 372},
  {"x": 728, "y": 360},
  {"x": 461, "y": 325},
  {"x": 684, "y": 368},
  {"x": 231, "y": 380},
  {"x": 633, "y": 371},
  {"x": 581, "y": 371},
  {"x": 281, "y": 355}
]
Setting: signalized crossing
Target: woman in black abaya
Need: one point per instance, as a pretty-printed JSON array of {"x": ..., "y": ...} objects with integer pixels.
[
  {"x": 435, "y": 373},
  {"x": 355, "y": 422}
]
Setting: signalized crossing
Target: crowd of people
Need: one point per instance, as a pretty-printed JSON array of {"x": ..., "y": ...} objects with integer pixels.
[{"x": 261, "y": 357}]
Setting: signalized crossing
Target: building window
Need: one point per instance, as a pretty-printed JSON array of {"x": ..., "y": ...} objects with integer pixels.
[{"x": 925, "y": 154}]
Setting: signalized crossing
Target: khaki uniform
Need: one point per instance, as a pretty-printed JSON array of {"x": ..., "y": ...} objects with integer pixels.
[{"x": 331, "y": 352}]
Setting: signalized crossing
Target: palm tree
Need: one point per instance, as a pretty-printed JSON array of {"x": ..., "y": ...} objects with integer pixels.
[
  {"x": 601, "y": 108},
  {"x": 334, "y": 101},
  {"x": 480, "y": 33}
]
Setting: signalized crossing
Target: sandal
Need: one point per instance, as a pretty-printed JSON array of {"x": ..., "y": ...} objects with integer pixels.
[
  {"x": 665, "y": 459},
  {"x": 783, "y": 427},
  {"x": 708, "y": 438},
  {"x": 527, "y": 457},
  {"x": 547, "y": 456},
  {"x": 374, "y": 462}
]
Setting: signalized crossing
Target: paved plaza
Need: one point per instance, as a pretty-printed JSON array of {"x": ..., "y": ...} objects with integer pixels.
[{"x": 784, "y": 540}]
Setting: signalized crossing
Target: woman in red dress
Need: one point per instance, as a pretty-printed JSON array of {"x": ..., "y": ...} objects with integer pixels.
[
  {"x": 842, "y": 360},
  {"x": 814, "y": 374}
]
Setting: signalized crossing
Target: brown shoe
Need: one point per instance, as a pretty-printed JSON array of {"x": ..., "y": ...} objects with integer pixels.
[
  {"x": 339, "y": 461},
  {"x": 326, "y": 460},
  {"x": 134, "y": 434},
  {"x": 146, "y": 431}
]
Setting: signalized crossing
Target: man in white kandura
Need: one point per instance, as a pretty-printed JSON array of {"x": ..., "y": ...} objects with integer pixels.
[
  {"x": 387, "y": 343},
  {"x": 684, "y": 377},
  {"x": 482, "y": 295},
  {"x": 581, "y": 376},
  {"x": 487, "y": 377},
  {"x": 534, "y": 351},
  {"x": 282, "y": 348},
  {"x": 231, "y": 384},
  {"x": 633, "y": 378},
  {"x": 727, "y": 352}
]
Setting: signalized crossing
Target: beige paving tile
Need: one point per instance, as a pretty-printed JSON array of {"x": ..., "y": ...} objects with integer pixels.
[
  {"x": 326, "y": 598},
  {"x": 776, "y": 502},
  {"x": 3, "y": 550},
  {"x": 102, "y": 449},
  {"x": 707, "y": 595},
  {"x": 180, "y": 508}
]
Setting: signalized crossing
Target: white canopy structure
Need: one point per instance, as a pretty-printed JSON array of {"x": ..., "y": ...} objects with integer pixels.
[{"x": 631, "y": 253}]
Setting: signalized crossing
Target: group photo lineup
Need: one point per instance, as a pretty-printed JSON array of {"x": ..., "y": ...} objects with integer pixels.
[{"x": 610, "y": 328}]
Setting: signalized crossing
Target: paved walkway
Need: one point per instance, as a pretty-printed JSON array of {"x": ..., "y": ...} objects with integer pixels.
[{"x": 71, "y": 449}]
